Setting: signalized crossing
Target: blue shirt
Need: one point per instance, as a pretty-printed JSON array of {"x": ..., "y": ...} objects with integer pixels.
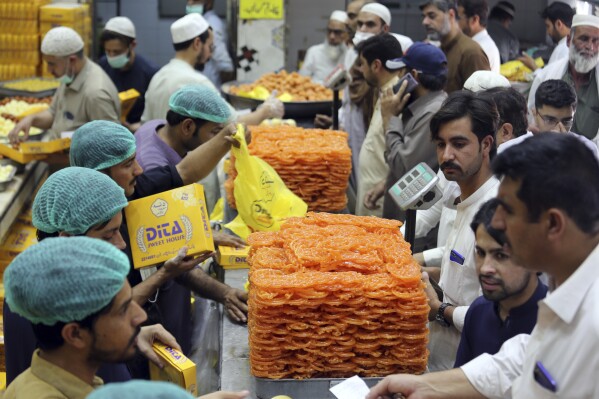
[
  {"x": 485, "y": 332},
  {"x": 137, "y": 77}
]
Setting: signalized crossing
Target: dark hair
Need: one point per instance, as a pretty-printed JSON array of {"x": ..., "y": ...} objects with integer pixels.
[
  {"x": 173, "y": 119},
  {"x": 555, "y": 171},
  {"x": 380, "y": 47},
  {"x": 443, "y": 5},
  {"x": 555, "y": 93},
  {"x": 503, "y": 11},
  {"x": 476, "y": 7},
  {"x": 482, "y": 112},
  {"x": 185, "y": 45},
  {"x": 432, "y": 82},
  {"x": 42, "y": 235},
  {"x": 484, "y": 216},
  {"x": 110, "y": 35},
  {"x": 559, "y": 11},
  {"x": 50, "y": 337},
  {"x": 511, "y": 106}
]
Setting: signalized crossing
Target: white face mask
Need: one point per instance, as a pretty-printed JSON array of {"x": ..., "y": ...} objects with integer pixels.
[
  {"x": 66, "y": 78},
  {"x": 197, "y": 8},
  {"x": 119, "y": 61},
  {"x": 359, "y": 37}
]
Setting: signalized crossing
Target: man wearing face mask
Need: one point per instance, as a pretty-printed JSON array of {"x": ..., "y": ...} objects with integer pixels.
[
  {"x": 219, "y": 68},
  {"x": 85, "y": 93},
  {"x": 322, "y": 58},
  {"x": 126, "y": 68}
]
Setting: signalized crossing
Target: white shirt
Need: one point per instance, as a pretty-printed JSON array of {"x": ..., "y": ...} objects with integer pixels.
[
  {"x": 459, "y": 281},
  {"x": 373, "y": 167},
  {"x": 560, "y": 51},
  {"x": 221, "y": 60},
  {"x": 318, "y": 63},
  {"x": 490, "y": 48},
  {"x": 590, "y": 144},
  {"x": 565, "y": 340},
  {"x": 170, "y": 78}
]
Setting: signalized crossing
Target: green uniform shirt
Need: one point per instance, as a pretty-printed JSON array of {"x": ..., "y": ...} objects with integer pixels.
[{"x": 586, "y": 118}]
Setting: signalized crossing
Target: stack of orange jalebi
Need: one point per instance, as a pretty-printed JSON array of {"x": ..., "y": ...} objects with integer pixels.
[
  {"x": 334, "y": 296},
  {"x": 315, "y": 164},
  {"x": 301, "y": 88}
]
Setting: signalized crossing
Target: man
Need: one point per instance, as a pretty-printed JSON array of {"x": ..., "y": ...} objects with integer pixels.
[
  {"x": 464, "y": 55},
  {"x": 511, "y": 106},
  {"x": 193, "y": 42},
  {"x": 111, "y": 149},
  {"x": 555, "y": 107},
  {"x": 352, "y": 10},
  {"x": 373, "y": 55},
  {"x": 550, "y": 217},
  {"x": 75, "y": 202},
  {"x": 579, "y": 69},
  {"x": 511, "y": 292},
  {"x": 473, "y": 22},
  {"x": 322, "y": 58},
  {"x": 407, "y": 137},
  {"x": 500, "y": 18},
  {"x": 126, "y": 68},
  {"x": 74, "y": 292},
  {"x": 558, "y": 22},
  {"x": 85, "y": 93},
  {"x": 219, "y": 68},
  {"x": 464, "y": 133}
]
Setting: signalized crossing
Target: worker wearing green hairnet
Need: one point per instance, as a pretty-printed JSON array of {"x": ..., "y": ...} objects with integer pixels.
[
  {"x": 110, "y": 148},
  {"x": 75, "y": 202},
  {"x": 139, "y": 389}
]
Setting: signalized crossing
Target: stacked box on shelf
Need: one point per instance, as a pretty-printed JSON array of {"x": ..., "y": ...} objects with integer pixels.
[
  {"x": 19, "y": 38},
  {"x": 75, "y": 16}
]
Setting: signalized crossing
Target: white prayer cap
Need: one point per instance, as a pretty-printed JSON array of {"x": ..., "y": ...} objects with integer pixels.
[
  {"x": 121, "y": 25},
  {"x": 61, "y": 42},
  {"x": 585, "y": 20},
  {"x": 340, "y": 16},
  {"x": 378, "y": 10},
  {"x": 485, "y": 80},
  {"x": 189, "y": 27}
]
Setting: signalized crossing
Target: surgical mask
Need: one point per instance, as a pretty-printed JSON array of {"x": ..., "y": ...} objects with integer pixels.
[
  {"x": 197, "y": 8},
  {"x": 119, "y": 61},
  {"x": 66, "y": 78},
  {"x": 359, "y": 37}
]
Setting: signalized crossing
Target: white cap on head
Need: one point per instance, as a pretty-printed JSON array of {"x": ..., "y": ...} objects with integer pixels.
[
  {"x": 340, "y": 16},
  {"x": 189, "y": 27},
  {"x": 121, "y": 25},
  {"x": 61, "y": 42},
  {"x": 485, "y": 80},
  {"x": 378, "y": 10},
  {"x": 585, "y": 20}
]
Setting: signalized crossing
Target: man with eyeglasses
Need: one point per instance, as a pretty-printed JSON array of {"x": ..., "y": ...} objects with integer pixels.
[
  {"x": 554, "y": 111},
  {"x": 322, "y": 58}
]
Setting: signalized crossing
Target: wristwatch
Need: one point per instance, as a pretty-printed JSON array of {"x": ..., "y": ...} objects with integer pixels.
[{"x": 440, "y": 317}]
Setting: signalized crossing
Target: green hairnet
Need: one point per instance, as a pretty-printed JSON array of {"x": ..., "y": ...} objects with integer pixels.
[
  {"x": 101, "y": 144},
  {"x": 75, "y": 199},
  {"x": 64, "y": 279},
  {"x": 139, "y": 389},
  {"x": 197, "y": 101}
]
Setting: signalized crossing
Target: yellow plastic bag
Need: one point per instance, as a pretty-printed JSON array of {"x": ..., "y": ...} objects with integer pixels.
[{"x": 263, "y": 201}]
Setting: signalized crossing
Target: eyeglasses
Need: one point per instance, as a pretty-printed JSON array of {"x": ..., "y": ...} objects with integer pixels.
[
  {"x": 552, "y": 121},
  {"x": 336, "y": 32}
]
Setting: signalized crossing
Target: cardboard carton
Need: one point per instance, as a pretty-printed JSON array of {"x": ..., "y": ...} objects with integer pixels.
[{"x": 178, "y": 368}]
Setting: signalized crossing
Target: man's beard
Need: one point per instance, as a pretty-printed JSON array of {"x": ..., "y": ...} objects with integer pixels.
[
  {"x": 334, "y": 52},
  {"x": 103, "y": 356},
  {"x": 581, "y": 63},
  {"x": 441, "y": 33}
]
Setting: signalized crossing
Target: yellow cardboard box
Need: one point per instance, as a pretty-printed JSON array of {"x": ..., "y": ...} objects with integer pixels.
[
  {"x": 178, "y": 369},
  {"x": 65, "y": 12},
  {"x": 128, "y": 98},
  {"x": 159, "y": 225},
  {"x": 19, "y": 238},
  {"x": 233, "y": 258},
  {"x": 32, "y": 150}
]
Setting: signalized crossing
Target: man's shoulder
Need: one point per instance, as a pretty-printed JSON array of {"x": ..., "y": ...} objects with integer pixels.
[
  {"x": 28, "y": 385},
  {"x": 145, "y": 65}
]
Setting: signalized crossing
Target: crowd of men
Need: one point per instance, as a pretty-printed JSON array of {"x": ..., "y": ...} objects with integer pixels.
[{"x": 510, "y": 247}]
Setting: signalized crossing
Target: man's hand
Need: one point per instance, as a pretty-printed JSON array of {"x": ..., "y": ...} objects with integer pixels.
[
  {"x": 394, "y": 104},
  {"x": 228, "y": 240},
  {"x": 146, "y": 338},
  {"x": 528, "y": 61},
  {"x": 272, "y": 106},
  {"x": 400, "y": 386},
  {"x": 323, "y": 121},
  {"x": 226, "y": 395},
  {"x": 227, "y": 133},
  {"x": 433, "y": 299},
  {"x": 182, "y": 263},
  {"x": 235, "y": 302},
  {"x": 419, "y": 257},
  {"x": 22, "y": 126},
  {"x": 373, "y": 195}
]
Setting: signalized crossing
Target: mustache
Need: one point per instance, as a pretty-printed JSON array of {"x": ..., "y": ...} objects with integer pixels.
[
  {"x": 132, "y": 339},
  {"x": 449, "y": 164}
]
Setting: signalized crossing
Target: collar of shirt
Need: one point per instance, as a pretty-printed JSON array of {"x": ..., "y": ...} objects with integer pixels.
[
  {"x": 81, "y": 76},
  {"x": 530, "y": 306},
  {"x": 567, "y": 298},
  {"x": 480, "y": 35},
  {"x": 67, "y": 383},
  {"x": 181, "y": 64},
  {"x": 478, "y": 194},
  {"x": 420, "y": 101}
]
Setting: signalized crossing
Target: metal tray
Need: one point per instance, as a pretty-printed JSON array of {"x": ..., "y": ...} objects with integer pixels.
[
  {"x": 293, "y": 109},
  {"x": 6, "y": 92},
  {"x": 314, "y": 388}
]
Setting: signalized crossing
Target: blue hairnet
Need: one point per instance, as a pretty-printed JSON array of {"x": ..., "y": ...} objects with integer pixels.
[
  {"x": 101, "y": 144},
  {"x": 139, "y": 389},
  {"x": 197, "y": 101}
]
